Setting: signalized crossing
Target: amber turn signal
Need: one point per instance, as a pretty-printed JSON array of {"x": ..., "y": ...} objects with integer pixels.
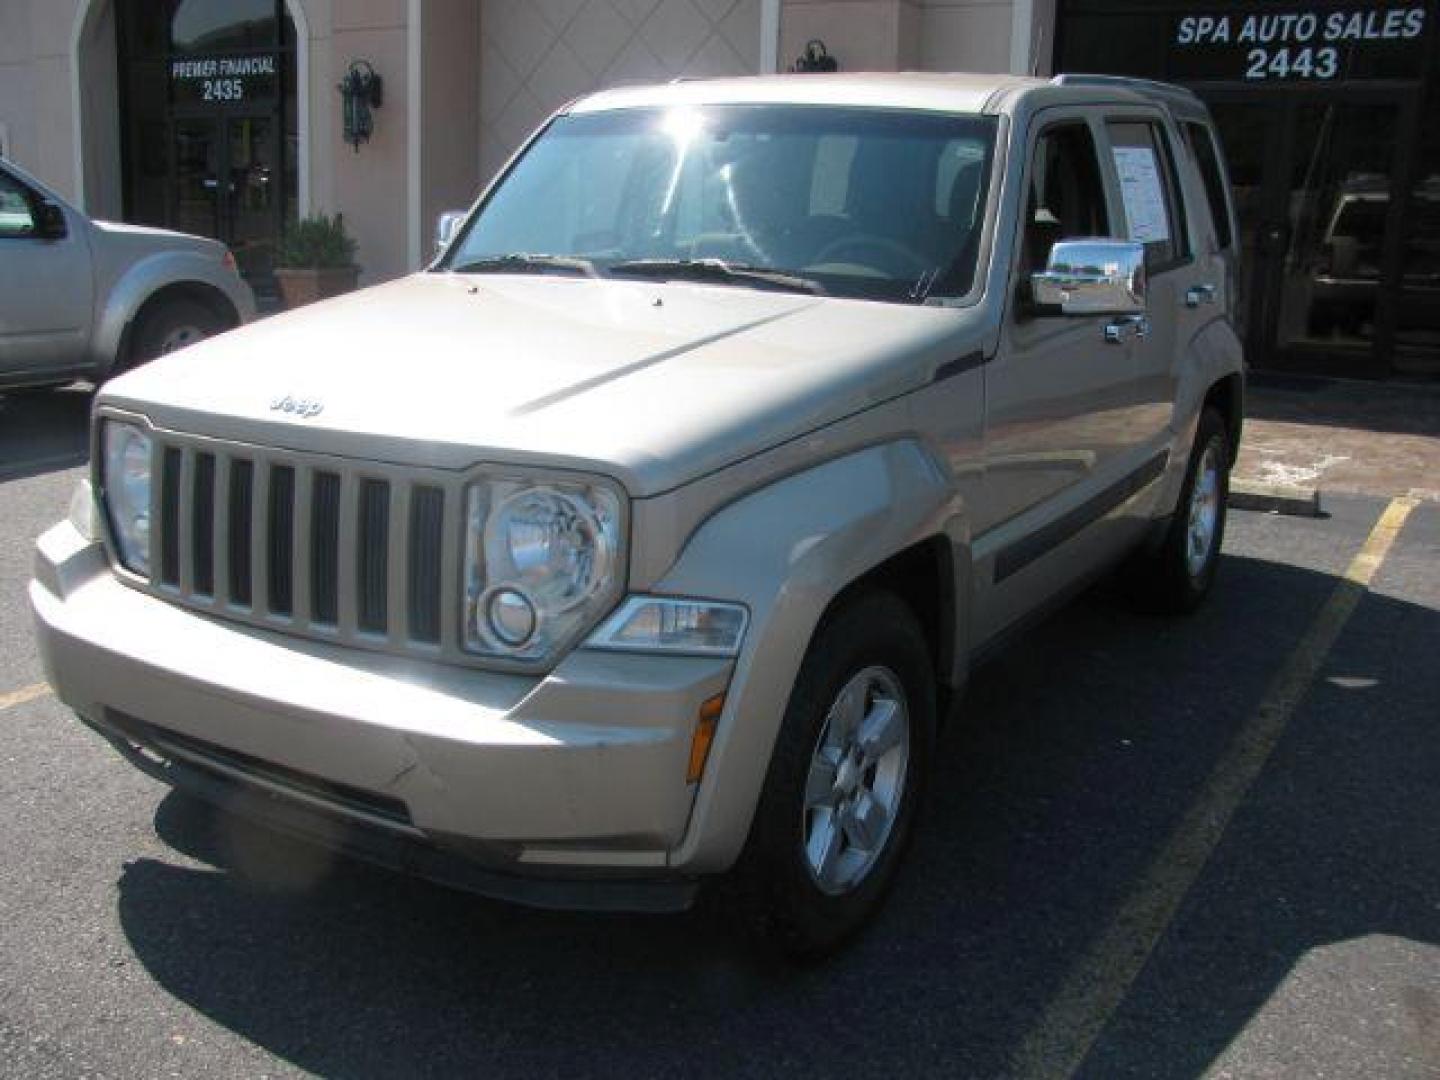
[{"x": 704, "y": 735}]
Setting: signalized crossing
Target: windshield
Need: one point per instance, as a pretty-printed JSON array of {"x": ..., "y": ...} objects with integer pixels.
[{"x": 867, "y": 203}]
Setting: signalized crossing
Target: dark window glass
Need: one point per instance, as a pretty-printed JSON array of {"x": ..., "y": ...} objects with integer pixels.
[
  {"x": 207, "y": 26},
  {"x": 1246, "y": 133},
  {"x": 1418, "y": 323},
  {"x": 1202, "y": 145},
  {"x": 1143, "y": 162},
  {"x": 1065, "y": 197},
  {"x": 16, "y": 217}
]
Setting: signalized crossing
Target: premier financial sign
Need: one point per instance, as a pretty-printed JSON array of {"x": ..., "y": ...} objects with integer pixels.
[
  {"x": 1384, "y": 41},
  {"x": 224, "y": 80}
]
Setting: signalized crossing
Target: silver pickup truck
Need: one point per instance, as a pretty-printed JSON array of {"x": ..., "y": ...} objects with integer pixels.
[
  {"x": 648, "y": 534},
  {"x": 86, "y": 299}
]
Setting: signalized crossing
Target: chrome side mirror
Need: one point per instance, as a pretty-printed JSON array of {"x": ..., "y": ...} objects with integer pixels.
[
  {"x": 1091, "y": 277},
  {"x": 446, "y": 226}
]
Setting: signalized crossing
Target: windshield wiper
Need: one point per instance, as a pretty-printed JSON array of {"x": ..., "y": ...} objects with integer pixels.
[
  {"x": 717, "y": 270},
  {"x": 527, "y": 263}
]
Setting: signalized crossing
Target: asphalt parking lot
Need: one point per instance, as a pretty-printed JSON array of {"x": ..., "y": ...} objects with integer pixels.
[{"x": 1207, "y": 847}]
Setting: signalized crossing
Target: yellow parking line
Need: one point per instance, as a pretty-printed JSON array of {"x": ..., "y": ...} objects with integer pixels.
[
  {"x": 24, "y": 694},
  {"x": 1097, "y": 984}
]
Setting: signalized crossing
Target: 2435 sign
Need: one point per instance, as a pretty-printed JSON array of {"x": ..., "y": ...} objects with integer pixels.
[
  {"x": 1374, "y": 42},
  {"x": 224, "y": 80}
]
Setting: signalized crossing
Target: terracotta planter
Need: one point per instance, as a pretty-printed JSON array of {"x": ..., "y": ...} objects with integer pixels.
[{"x": 301, "y": 285}]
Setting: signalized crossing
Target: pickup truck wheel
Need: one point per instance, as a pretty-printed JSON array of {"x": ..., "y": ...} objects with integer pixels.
[
  {"x": 845, "y": 779},
  {"x": 1176, "y": 577},
  {"x": 168, "y": 326}
]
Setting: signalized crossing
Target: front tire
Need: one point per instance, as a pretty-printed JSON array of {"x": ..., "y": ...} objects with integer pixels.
[
  {"x": 845, "y": 780},
  {"x": 168, "y": 326}
]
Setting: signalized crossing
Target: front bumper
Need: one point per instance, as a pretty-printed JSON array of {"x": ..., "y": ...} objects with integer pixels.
[{"x": 580, "y": 774}]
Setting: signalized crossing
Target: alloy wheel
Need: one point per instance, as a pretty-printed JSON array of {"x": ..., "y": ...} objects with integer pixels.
[{"x": 856, "y": 780}]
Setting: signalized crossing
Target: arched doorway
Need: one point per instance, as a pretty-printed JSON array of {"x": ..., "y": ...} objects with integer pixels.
[{"x": 209, "y": 121}]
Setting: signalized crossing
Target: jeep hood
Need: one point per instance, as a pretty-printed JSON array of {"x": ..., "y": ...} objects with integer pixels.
[{"x": 653, "y": 384}]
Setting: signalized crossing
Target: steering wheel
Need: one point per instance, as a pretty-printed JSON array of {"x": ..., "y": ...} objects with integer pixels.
[{"x": 873, "y": 243}]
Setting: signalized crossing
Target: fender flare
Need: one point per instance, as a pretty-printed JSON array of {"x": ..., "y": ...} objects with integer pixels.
[
  {"x": 797, "y": 544},
  {"x": 139, "y": 283},
  {"x": 1215, "y": 353}
]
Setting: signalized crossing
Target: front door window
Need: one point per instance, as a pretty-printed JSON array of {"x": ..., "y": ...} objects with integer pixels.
[{"x": 16, "y": 217}]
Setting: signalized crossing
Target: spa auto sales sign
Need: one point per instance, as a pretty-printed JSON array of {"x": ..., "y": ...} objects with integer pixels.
[
  {"x": 1380, "y": 41},
  {"x": 224, "y": 80}
]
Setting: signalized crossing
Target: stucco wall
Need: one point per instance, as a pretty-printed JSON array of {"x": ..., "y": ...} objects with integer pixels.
[
  {"x": 966, "y": 35},
  {"x": 863, "y": 35},
  {"x": 35, "y": 88},
  {"x": 368, "y": 185},
  {"x": 924, "y": 35},
  {"x": 538, "y": 54}
]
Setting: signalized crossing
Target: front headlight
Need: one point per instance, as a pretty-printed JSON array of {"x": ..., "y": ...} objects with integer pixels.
[
  {"x": 541, "y": 561},
  {"x": 126, "y": 479}
]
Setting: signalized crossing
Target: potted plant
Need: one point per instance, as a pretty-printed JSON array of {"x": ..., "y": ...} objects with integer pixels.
[{"x": 316, "y": 260}]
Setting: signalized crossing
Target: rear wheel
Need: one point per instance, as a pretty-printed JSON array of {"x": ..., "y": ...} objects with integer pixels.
[
  {"x": 845, "y": 779},
  {"x": 1176, "y": 577}
]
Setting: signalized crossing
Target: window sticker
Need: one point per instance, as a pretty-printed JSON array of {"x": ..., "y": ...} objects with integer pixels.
[{"x": 1144, "y": 199}]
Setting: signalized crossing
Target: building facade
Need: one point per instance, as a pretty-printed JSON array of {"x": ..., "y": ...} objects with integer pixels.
[{"x": 225, "y": 117}]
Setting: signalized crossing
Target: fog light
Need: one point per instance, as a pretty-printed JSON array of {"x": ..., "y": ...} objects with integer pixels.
[{"x": 511, "y": 616}]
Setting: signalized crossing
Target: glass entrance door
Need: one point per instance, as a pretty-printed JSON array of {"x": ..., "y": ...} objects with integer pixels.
[
  {"x": 227, "y": 183},
  {"x": 195, "y": 178},
  {"x": 253, "y": 196},
  {"x": 1313, "y": 177},
  {"x": 209, "y": 109}
]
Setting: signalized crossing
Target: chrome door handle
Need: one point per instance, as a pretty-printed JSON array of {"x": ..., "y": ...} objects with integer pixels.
[
  {"x": 1200, "y": 294},
  {"x": 1126, "y": 327}
]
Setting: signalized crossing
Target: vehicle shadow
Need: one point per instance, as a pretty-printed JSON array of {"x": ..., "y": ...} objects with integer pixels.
[
  {"x": 44, "y": 431},
  {"x": 1064, "y": 771}
]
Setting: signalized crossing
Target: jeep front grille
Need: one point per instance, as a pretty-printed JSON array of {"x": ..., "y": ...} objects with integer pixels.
[{"x": 324, "y": 547}]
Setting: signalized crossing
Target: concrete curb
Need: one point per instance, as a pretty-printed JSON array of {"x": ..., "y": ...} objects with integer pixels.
[{"x": 1288, "y": 499}]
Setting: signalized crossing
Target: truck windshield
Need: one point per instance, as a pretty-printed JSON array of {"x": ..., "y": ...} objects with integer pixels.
[{"x": 866, "y": 203}]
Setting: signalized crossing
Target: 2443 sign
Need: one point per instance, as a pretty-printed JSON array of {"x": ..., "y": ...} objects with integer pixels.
[{"x": 1376, "y": 42}]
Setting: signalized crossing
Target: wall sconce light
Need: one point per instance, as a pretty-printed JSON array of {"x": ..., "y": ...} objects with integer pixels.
[
  {"x": 362, "y": 91},
  {"x": 815, "y": 58}
]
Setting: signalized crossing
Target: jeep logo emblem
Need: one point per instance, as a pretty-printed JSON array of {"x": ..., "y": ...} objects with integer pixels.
[{"x": 304, "y": 408}]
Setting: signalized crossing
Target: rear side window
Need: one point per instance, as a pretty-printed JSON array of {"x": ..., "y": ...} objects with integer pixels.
[
  {"x": 1202, "y": 144},
  {"x": 1065, "y": 198},
  {"x": 1151, "y": 195}
]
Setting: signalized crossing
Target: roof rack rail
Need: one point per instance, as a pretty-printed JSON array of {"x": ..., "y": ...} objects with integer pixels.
[{"x": 1124, "y": 81}]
